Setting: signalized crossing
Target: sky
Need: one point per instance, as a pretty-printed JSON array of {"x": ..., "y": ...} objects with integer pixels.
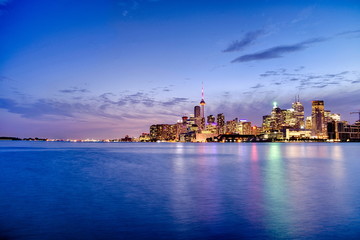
[{"x": 106, "y": 68}]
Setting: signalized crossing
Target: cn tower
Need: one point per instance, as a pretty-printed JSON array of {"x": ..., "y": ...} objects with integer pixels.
[{"x": 202, "y": 103}]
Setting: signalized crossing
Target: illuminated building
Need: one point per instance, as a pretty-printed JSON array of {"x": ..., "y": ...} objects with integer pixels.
[
  {"x": 256, "y": 130},
  {"x": 289, "y": 118},
  {"x": 212, "y": 128},
  {"x": 318, "y": 119},
  {"x": 231, "y": 126},
  {"x": 220, "y": 123},
  {"x": 329, "y": 117},
  {"x": 298, "y": 114},
  {"x": 281, "y": 119},
  {"x": 246, "y": 128},
  {"x": 275, "y": 121},
  {"x": 197, "y": 115},
  {"x": 182, "y": 127},
  {"x": 308, "y": 123},
  {"x": 197, "y": 111},
  {"x": 163, "y": 132},
  {"x": 278, "y": 117},
  {"x": 341, "y": 131},
  {"x": 210, "y": 119},
  {"x": 144, "y": 137},
  {"x": 266, "y": 124},
  {"x": 297, "y": 134}
]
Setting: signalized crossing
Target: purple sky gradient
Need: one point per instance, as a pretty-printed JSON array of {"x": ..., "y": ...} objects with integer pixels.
[{"x": 103, "y": 69}]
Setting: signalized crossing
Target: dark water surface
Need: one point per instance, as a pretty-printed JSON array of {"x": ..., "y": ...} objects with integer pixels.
[{"x": 52, "y": 190}]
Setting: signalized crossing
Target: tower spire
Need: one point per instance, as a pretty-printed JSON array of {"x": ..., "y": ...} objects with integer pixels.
[
  {"x": 202, "y": 102},
  {"x": 202, "y": 90}
]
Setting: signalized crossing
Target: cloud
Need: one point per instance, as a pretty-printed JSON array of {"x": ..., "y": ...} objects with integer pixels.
[
  {"x": 3, "y": 79},
  {"x": 175, "y": 100},
  {"x": 352, "y": 33},
  {"x": 258, "y": 86},
  {"x": 300, "y": 80},
  {"x": 43, "y": 107},
  {"x": 277, "y": 52},
  {"x": 248, "y": 39},
  {"x": 74, "y": 90},
  {"x": 299, "y": 69}
]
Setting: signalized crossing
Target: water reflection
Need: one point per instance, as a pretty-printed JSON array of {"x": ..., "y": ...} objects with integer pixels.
[
  {"x": 276, "y": 192},
  {"x": 255, "y": 198},
  {"x": 185, "y": 191},
  {"x": 338, "y": 163},
  {"x": 195, "y": 195}
]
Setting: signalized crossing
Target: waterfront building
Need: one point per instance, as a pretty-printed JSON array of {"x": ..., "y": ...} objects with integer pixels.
[
  {"x": 197, "y": 111},
  {"x": 266, "y": 123},
  {"x": 221, "y": 123},
  {"x": 298, "y": 114},
  {"x": 246, "y": 128},
  {"x": 197, "y": 115},
  {"x": 297, "y": 134},
  {"x": 289, "y": 118},
  {"x": 342, "y": 131},
  {"x": 278, "y": 117},
  {"x": 329, "y": 116},
  {"x": 212, "y": 127},
  {"x": 308, "y": 123},
  {"x": 231, "y": 126},
  {"x": 163, "y": 132},
  {"x": 275, "y": 120},
  {"x": 144, "y": 137},
  {"x": 318, "y": 119}
]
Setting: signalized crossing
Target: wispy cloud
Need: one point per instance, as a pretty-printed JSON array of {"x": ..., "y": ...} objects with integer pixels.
[
  {"x": 308, "y": 80},
  {"x": 175, "y": 100},
  {"x": 258, "y": 86},
  {"x": 248, "y": 39},
  {"x": 43, "y": 107},
  {"x": 278, "y": 51},
  {"x": 107, "y": 105},
  {"x": 74, "y": 90},
  {"x": 352, "y": 33}
]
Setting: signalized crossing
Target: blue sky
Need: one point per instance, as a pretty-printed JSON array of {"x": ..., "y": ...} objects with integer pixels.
[{"x": 103, "y": 69}]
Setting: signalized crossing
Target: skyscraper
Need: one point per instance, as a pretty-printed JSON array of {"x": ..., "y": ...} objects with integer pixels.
[
  {"x": 197, "y": 115},
  {"x": 318, "y": 119},
  {"x": 220, "y": 123},
  {"x": 298, "y": 113},
  {"x": 197, "y": 111}
]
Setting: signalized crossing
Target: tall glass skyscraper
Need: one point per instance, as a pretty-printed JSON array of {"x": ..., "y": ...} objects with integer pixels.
[{"x": 318, "y": 119}]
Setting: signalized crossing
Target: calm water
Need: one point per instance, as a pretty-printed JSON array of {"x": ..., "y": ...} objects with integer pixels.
[{"x": 179, "y": 191}]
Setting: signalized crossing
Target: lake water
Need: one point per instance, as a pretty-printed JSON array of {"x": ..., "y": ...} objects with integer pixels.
[{"x": 57, "y": 190}]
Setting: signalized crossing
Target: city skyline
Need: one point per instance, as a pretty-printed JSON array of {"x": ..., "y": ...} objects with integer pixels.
[{"x": 104, "y": 69}]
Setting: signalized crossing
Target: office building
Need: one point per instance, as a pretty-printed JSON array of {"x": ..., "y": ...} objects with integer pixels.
[{"x": 318, "y": 119}]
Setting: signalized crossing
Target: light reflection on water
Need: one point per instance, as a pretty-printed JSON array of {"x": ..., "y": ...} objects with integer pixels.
[{"x": 179, "y": 191}]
